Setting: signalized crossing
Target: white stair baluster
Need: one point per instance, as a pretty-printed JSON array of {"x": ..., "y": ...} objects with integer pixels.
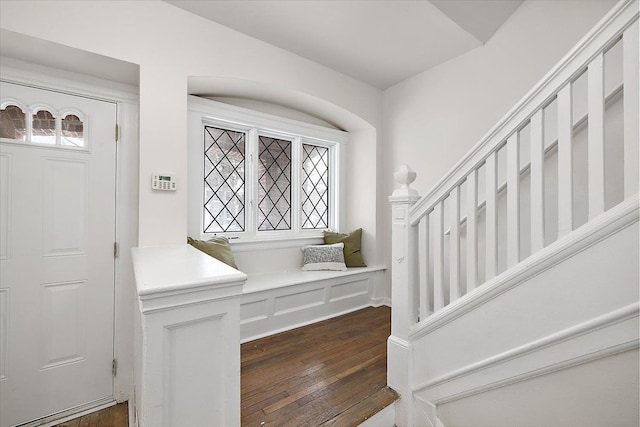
[
  {"x": 438, "y": 257},
  {"x": 491, "y": 216},
  {"x": 423, "y": 265},
  {"x": 537, "y": 182},
  {"x": 513, "y": 200},
  {"x": 472, "y": 230},
  {"x": 631, "y": 69},
  {"x": 454, "y": 244},
  {"x": 595, "y": 149},
  {"x": 565, "y": 163}
]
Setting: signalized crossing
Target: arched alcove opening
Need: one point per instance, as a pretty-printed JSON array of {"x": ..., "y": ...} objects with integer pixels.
[{"x": 361, "y": 189}]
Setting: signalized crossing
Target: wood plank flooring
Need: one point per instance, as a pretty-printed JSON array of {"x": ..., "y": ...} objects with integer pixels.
[
  {"x": 331, "y": 373},
  {"x": 113, "y": 416}
]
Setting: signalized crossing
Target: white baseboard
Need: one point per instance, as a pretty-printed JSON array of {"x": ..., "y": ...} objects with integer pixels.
[
  {"x": 379, "y": 302},
  {"x": 133, "y": 419}
]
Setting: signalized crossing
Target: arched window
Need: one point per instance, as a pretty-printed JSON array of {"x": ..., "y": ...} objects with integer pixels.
[
  {"x": 72, "y": 131},
  {"x": 12, "y": 123},
  {"x": 43, "y": 127}
]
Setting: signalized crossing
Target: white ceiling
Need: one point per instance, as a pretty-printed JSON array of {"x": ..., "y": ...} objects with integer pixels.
[{"x": 378, "y": 42}]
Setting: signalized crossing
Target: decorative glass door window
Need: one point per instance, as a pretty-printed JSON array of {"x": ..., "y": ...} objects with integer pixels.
[
  {"x": 42, "y": 125},
  {"x": 12, "y": 123},
  {"x": 72, "y": 131}
]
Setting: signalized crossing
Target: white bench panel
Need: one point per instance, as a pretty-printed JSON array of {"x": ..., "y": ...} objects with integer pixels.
[{"x": 277, "y": 302}]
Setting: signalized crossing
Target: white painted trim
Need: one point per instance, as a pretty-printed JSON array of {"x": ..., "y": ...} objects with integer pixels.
[
  {"x": 133, "y": 418},
  {"x": 600, "y": 337},
  {"x": 35, "y": 75},
  {"x": 609, "y": 223},
  {"x": 405, "y": 345},
  {"x": 379, "y": 302},
  {"x": 429, "y": 411},
  {"x": 610, "y": 27},
  {"x": 219, "y": 111},
  {"x": 179, "y": 269},
  {"x": 301, "y": 324},
  {"x": 307, "y": 297},
  {"x": 127, "y": 200},
  {"x": 569, "y": 363},
  {"x": 205, "y": 112},
  {"x": 625, "y": 313},
  {"x": 6, "y": 102},
  {"x": 283, "y": 279}
]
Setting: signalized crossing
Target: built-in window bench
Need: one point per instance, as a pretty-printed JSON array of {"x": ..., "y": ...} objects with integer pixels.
[{"x": 278, "y": 301}]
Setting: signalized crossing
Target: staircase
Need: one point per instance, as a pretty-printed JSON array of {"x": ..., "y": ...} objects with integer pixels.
[{"x": 515, "y": 280}]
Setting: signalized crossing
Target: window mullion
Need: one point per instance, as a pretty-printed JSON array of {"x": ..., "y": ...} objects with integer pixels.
[
  {"x": 252, "y": 183},
  {"x": 296, "y": 169},
  {"x": 335, "y": 182}
]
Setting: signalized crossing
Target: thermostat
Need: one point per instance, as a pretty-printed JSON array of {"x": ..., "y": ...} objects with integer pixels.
[{"x": 163, "y": 182}]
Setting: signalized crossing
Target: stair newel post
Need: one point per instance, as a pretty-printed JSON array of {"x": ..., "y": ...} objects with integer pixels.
[{"x": 404, "y": 290}]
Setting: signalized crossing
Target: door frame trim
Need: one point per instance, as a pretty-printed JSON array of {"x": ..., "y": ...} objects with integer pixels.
[{"x": 127, "y": 152}]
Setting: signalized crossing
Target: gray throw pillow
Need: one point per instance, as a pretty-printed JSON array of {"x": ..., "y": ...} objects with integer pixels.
[{"x": 323, "y": 257}]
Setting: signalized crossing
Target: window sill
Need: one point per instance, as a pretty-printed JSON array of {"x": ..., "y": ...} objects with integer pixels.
[{"x": 247, "y": 245}]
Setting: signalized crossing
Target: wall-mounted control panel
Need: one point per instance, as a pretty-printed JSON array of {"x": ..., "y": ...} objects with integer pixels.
[{"x": 163, "y": 182}]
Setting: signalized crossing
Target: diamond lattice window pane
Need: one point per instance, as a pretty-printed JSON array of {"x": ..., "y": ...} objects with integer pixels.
[
  {"x": 224, "y": 176},
  {"x": 274, "y": 184},
  {"x": 315, "y": 186}
]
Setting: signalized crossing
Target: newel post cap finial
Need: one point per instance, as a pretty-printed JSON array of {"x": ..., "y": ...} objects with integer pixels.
[{"x": 404, "y": 176}]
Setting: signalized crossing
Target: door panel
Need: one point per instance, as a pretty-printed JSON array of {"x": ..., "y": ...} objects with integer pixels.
[{"x": 57, "y": 228}]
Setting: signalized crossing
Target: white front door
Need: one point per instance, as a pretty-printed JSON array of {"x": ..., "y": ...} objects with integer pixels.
[{"x": 57, "y": 230}]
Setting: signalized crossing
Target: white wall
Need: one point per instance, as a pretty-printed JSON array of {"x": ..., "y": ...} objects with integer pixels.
[
  {"x": 170, "y": 45},
  {"x": 432, "y": 119},
  {"x": 617, "y": 387}
]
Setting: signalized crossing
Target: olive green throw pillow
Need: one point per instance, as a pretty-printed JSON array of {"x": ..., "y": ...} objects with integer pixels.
[
  {"x": 218, "y": 248},
  {"x": 352, "y": 254}
]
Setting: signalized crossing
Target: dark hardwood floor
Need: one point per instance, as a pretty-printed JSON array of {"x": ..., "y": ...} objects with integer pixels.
[
  {"x": 331, "y": 373},
  {"x": 113, "y": 416}
]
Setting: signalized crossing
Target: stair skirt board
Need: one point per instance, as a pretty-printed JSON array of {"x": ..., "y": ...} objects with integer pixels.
[{"x": 604, "y": 336}]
